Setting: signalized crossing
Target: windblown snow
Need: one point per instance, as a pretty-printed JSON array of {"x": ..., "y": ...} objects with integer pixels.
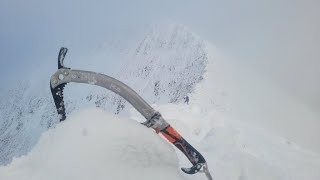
[
  {"x": 237, "y": 124},
  {"x": 95, "y": 144}
]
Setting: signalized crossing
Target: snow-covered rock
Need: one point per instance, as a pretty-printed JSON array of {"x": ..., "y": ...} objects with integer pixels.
[{"x": 166, "y": 64}]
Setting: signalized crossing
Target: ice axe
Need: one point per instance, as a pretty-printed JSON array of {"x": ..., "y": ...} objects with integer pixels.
[{"x": 154, "y": 119}]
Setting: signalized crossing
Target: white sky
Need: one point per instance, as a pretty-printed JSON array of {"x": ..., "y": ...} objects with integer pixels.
[{"x": 277, "y": 38}]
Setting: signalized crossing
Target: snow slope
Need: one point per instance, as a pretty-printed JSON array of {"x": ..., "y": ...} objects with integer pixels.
[
  {"x": 238, "y": 150},
  {"x": 95, "y": 144}
]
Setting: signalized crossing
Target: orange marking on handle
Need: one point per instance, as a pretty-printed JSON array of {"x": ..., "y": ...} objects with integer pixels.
[
  {"x": 168, "y": 137},
  {"x": 173, "y": 132}
]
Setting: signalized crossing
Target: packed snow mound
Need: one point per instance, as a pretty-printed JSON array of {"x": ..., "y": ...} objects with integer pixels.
[{"x": 94, "y": 144}]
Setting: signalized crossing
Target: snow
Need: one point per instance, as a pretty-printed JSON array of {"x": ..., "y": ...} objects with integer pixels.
[
  {"x": 95, "y": 144},
  {"x": 237, "y": 150}
]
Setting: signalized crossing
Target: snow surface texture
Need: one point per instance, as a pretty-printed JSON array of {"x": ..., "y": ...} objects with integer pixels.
[
  {"x": 164, "y": 66},
  {"x": 95, "y": 144}
]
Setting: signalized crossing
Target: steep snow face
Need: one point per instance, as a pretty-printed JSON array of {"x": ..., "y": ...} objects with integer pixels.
[
  {"x": 167, "y": 64},
  {"x": 94, "y": 144},
  {"x": 25, "y": 112},
  {"x": 163, "y": 67}
]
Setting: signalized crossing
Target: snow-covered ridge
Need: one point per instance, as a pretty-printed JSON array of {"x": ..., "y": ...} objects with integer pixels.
[
  {"x": 163, "y": 67},
  {"x": 167, "y": 64}
]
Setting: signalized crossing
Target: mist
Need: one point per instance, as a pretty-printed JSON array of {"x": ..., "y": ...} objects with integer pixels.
[{"x": 275, "y": 39}]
